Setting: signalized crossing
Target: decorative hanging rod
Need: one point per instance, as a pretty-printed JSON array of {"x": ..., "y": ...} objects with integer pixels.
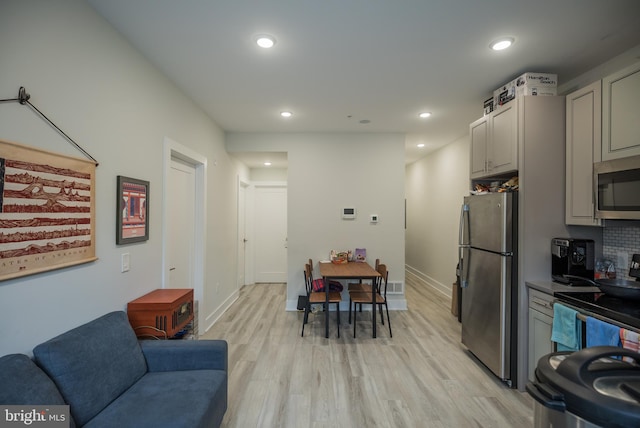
[{"x": 23, "y": 98}]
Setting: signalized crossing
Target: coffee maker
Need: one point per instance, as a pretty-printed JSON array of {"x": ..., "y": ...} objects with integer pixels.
[{"x": 572, "y": 260}]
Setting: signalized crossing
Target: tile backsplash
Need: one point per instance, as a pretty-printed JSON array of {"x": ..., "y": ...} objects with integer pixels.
[{"x": 618, "y": 241}]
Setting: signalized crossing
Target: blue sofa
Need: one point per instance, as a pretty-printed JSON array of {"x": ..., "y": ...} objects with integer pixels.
[{"x": 110, "y": 379}]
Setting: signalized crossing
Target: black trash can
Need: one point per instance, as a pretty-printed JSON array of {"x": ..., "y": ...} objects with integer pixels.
[
  {"x": 302, "y": 302},
  {"x": 590, "y": 388}
]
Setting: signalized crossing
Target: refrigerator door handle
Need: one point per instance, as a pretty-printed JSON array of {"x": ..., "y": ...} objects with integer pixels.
[
  {"x": 464, "y": 224},
  {"x": 464, "y": 269}
]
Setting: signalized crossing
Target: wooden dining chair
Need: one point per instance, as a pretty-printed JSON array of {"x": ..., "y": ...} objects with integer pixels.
[
  {"x": 359, "y": 298},
  {"x": 318, "y": 298}
]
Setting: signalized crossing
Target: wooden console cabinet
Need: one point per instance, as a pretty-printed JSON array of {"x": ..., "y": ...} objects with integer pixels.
[{"x": 161, "y": 313}]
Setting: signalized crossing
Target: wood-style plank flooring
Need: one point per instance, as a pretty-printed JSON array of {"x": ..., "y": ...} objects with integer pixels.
[{"x": 422, "y": 377}]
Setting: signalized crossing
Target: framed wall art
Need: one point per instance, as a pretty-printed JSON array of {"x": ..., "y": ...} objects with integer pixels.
[
  {"x": 47, "y": 210},
  {"x": 132, "y": 214}
]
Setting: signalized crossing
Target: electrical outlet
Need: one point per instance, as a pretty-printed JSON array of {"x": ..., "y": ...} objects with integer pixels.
[{"x": 125, "y": 262}]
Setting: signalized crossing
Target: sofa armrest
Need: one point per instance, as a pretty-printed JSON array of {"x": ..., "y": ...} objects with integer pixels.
[{"x": 174, "y": 355}]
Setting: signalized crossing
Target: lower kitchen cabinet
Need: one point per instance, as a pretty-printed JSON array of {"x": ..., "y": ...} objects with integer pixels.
[{"x": 540, "y": 324}]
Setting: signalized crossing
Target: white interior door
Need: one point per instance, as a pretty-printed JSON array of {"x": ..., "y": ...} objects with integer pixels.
[
  {"x": 270, "y": 231},
  {"x": 181, "y": 221},
  {"x": 242, "y": 235}
]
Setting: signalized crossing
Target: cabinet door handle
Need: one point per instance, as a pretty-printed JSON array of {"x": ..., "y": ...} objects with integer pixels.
[{"x": 541, "y": 303}]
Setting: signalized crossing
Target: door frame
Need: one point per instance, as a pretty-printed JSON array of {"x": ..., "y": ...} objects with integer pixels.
[
  {"x": 243, "y": 190},
  {"x": 174, "y": 150}
]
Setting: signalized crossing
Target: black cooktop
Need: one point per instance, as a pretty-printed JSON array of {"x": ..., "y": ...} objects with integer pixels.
[{"x": 622, "y": 310}]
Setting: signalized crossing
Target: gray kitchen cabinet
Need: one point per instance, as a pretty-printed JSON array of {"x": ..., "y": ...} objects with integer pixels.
[
  {"x": 583, "y": 148},
  {"x": 494, "y": 142},
  {"x": 540, "y": 325},
  {"x": 479, "y": 131},
  {"x": 499, "y": 140},
  {"x": 620, "y": 113},
  {"x": 503, "y": 145}
]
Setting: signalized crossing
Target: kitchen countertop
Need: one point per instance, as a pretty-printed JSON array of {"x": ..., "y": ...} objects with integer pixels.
[
  {"x": 552, "y": 288},
  {"x": 615, "y": 309},
  {"x": 591, "y": 299}
]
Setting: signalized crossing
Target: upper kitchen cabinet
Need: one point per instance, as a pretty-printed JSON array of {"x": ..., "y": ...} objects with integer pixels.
[
  {"x": 494, "y": 142},
  {"x": 479, "y": 131},
  {"x": 583, "y": 146},
  {"x": 621, "y": 113},
  {"x": 500, "y": 139}
]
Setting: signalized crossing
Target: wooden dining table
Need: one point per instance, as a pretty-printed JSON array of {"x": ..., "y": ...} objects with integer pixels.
[{"x": 349, "y": 271}]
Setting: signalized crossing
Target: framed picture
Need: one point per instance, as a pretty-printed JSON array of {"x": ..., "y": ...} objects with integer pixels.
[
  {"x": 47, "y": 210},
  {"x": 132, "y": 213}
]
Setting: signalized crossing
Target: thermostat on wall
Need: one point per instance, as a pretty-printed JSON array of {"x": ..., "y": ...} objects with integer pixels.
[{"x": 348, "y": 213}]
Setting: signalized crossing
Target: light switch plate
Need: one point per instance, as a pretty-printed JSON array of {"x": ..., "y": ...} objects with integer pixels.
[{"x": 125, "y": 262}]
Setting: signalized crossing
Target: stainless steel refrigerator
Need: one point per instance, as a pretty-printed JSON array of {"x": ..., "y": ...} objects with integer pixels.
[{"x": 488, "y": 278}]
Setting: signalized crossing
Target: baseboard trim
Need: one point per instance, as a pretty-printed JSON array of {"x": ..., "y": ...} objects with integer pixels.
[
  {"x": 217, "y": 313},
  {"x": 426, "y": 279}
]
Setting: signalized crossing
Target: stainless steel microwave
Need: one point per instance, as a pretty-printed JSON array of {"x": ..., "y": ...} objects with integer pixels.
[{"x": 617, "y": 188}]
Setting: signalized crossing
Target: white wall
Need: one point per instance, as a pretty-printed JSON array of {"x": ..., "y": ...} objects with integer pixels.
[
  {"x": 269, "y": 174},
  {"x": 99, "y": 90},
  {"x": 329, "y": 171},
  {"x": 435, "y": 186}
]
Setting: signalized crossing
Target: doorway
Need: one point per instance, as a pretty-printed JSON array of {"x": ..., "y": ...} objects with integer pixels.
[
  {"x": 183, "y": 225},
  {"x": 181, "y": 219},
  {"x": 243, "y": 242},
  {"x": 270, "y": 231}
]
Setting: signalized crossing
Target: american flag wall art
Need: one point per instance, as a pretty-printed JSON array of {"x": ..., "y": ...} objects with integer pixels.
[{"x": 47, "y": 216}]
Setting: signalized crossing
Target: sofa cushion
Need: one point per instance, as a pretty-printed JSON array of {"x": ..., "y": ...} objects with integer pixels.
[
  {"x": 25, "y": 383},
  {"x": 170, "y": 355},
  {"x": 180, "y": 399},
  {"x": 93, "y": 364}
]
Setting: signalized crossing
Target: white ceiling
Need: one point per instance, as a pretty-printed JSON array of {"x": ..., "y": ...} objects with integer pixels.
[{"x": 338, "y": 62}]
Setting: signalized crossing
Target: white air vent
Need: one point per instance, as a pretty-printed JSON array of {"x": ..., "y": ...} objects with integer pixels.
[{"x": 395, "y": 287}]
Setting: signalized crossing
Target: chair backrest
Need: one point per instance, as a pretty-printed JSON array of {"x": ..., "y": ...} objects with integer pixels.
[
  {"x": 308, "y": 279},
  {"x": 382, "y": 281}
]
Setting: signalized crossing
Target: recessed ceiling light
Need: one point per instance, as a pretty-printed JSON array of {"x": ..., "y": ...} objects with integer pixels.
[
  {"x": 265, "y": 41},
  {"x": 267, "y": 164},
  {"x": 502, "y": 43},
  {"x": 286, "y": 114},
  {"x": 424, "y": 115},
  {"x": 421, "y": 145}
]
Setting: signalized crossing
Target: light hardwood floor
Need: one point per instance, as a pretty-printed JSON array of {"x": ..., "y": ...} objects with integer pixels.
[{"x": 422, "y": 377}]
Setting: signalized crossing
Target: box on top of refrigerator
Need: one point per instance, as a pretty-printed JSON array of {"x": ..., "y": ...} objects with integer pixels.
[
  {"x": 526, "y": 84},
  {"x": 537, "y": 79}
]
